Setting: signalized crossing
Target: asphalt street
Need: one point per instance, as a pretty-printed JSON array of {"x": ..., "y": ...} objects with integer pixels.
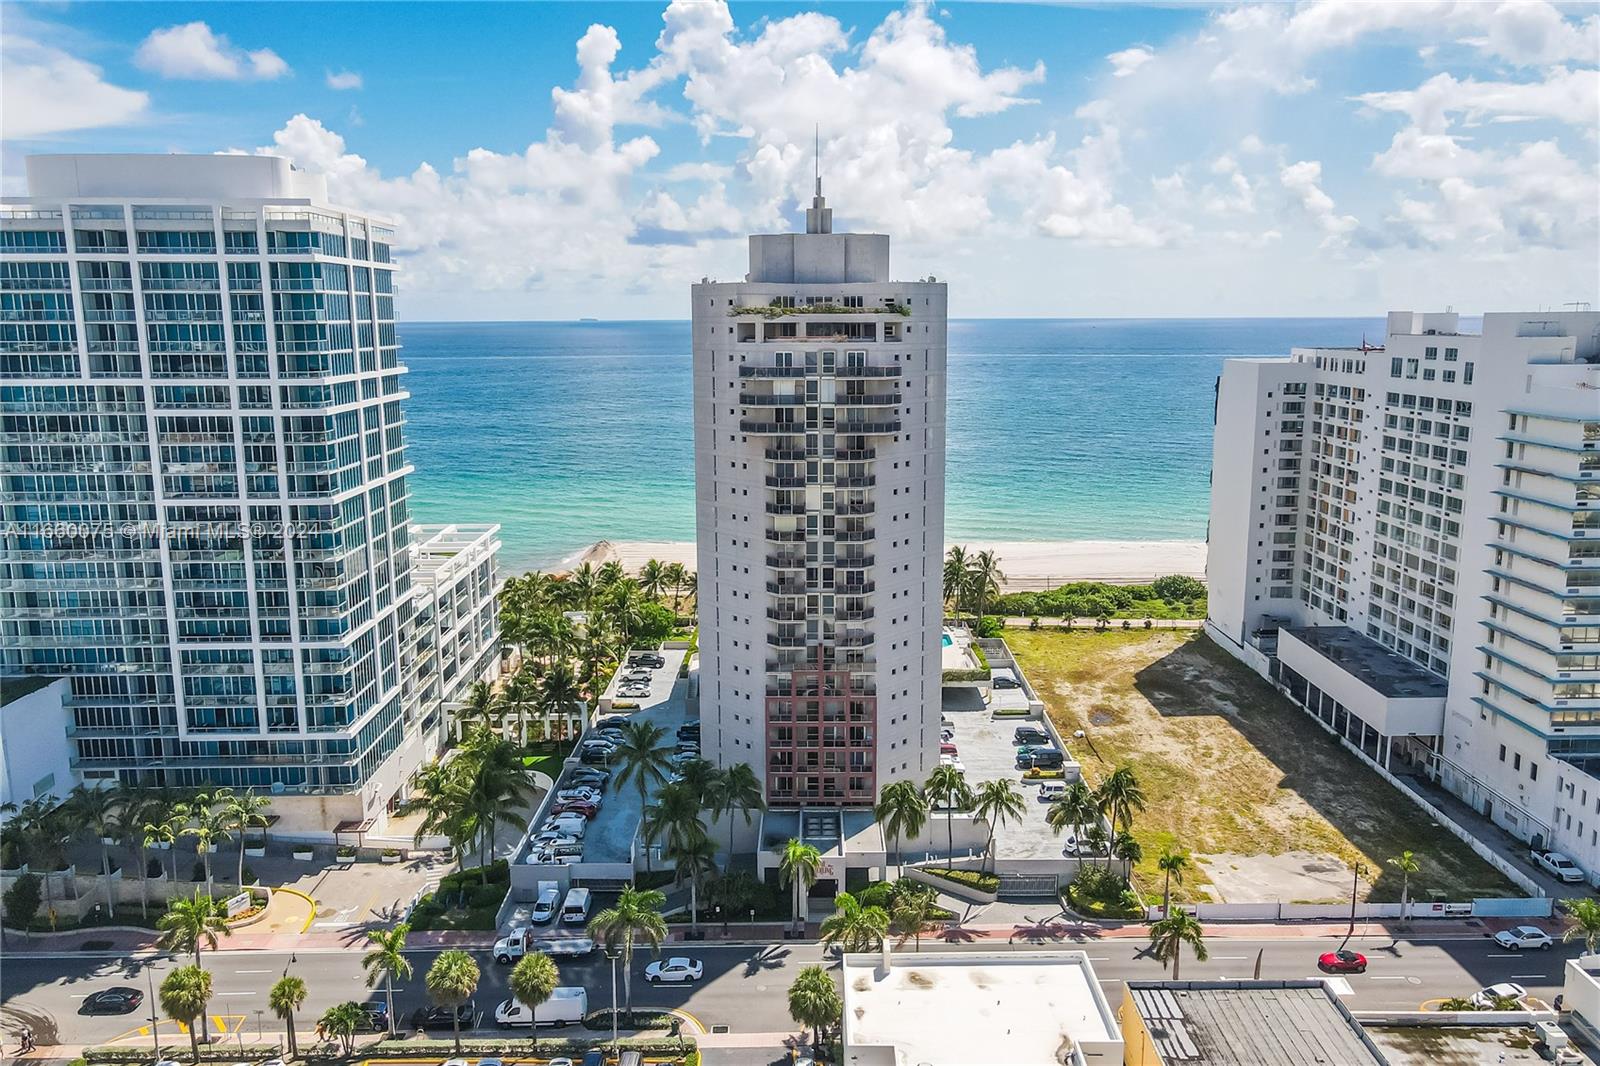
[{"x": 744, "y": 986}]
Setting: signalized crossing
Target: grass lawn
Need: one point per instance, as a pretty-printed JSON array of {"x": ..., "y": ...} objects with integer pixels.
[
  {"x": 547, "y": 758},
  {"x": 1230, "y": 768}
]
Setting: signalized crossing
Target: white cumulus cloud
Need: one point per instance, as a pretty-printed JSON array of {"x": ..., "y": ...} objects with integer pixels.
[
  {"x": 47, "y": 91},
  {"x": 192, "y": 51},
  {"x": 343, "y": 79}
]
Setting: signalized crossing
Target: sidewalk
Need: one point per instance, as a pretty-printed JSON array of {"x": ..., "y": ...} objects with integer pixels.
[{"x": 1053, "y": 930}]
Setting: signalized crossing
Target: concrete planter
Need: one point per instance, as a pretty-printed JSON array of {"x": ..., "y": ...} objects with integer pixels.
[
  {"x": 17, "y": 871},
  {"x": 390, "y": 859},
  {"x": 304, "y": 854},
  {"x": 257, "y": 853}
]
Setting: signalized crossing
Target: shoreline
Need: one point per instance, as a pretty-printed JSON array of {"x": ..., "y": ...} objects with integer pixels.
[{"x": 1029, "y": 565}]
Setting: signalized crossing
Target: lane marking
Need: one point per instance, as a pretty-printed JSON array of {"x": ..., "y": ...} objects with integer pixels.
[
  {"x": 1387, "y": 977},
  {"x": 1532, "y": 977},
  {"x": 1226, "y": 958},
  {"x": 255, "y": 971},
  {"x": 226, "y": 994},
  {"x": 1502, "y": 955}
]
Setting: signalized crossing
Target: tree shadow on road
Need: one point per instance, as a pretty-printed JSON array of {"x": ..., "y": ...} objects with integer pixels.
[{"x": 771, "y": 957}]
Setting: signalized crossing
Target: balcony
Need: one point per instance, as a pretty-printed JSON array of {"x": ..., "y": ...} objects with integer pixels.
[
  {"x": 764, "y": 426},
  {"x": 864, "y": 507},
  {"x": 785, "y": 614},
  {"x": 855, "y": 536},
  {"x": 854, "y": 640},
  {"x": 758, "y": 399},
  {"x": 786, "y": 561},
  {"x": 853, "y": 372},
  {"x": 786, "y": 455},
  {"x": 853, "y": 614},
  {"x": 787, "y": 640},
  {"x": 776, "y": 481},
  {"x": 785, "y": 536},
  {"x": 860, "y": 481},
  {"x": 855, "y": 455},
  {"x": 783, "y": 507},
  {"x": 750, "y": 371},
  {"x": 854, "y": 562},
  {"x": 882, "y": 399},
  {"x": 860, "y": 588},
  {"x": 890, "y": 425},
  {"x": 786, "y": 588}
]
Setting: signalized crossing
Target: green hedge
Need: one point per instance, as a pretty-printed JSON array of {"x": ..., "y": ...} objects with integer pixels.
[
  {"x": 950, "y": 676},
  {"x": 548, "y": 1045},
  {"x": 983, "y": 882},
  {"x": 1174, "y": 596}
]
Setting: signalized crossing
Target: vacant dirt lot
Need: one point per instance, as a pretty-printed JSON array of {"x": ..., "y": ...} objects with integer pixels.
[{"x": 1231, "y": 769}]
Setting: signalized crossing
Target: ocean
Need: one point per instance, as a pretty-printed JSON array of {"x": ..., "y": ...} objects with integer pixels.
[{"x": 1059, "y": 429}]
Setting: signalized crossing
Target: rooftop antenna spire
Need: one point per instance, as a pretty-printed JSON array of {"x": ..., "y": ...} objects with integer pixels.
[{"x": 819, "y": 216}]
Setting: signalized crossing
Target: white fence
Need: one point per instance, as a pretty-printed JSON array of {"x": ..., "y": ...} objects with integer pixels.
[{"x": 1291, "y": 912}]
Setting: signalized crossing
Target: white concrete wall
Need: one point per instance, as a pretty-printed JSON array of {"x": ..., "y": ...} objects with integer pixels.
[{"x": 35, "y": 755}]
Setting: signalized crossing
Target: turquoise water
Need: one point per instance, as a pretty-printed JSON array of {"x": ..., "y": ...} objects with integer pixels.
[
  {"x": 944, "y": 639},
  {"x": 1059, "y": 429}
]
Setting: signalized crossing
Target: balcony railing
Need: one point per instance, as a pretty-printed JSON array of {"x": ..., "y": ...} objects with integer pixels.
[
  {"x": 775, "y": 481},
  {"x": 783, "y": 507},
  {"x": 748, "y": 370},
  {"x": 785, "y": 536},
  {"x": 884, "y": 399},
  {"x": 785, "y": 614},
  {"x": 758, "y": 399},
  {"x": 786, "y": 561},
  {"x": 786, "y": 455},
  {"x": 762, "y": 426}
]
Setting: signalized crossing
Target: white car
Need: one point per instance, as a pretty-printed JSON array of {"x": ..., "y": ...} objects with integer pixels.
[
  {"x": 1485, "y": 997},
  {"x": 1559, "y": 866},
  {"x": 581, "y": 792},
  {"x": 676, "y": 970},
  {"x": 1524, "y": 936}
]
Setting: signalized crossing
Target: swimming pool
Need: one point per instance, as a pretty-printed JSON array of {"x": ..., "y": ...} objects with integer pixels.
[{"x": 944, "y": 638}]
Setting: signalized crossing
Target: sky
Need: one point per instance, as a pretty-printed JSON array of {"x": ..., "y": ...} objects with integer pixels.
[{"x": 555, "y": 161}]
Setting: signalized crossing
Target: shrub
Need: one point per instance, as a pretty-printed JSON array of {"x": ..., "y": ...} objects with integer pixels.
[
  {"x": 990, "y": 626},
  {"x": 953, "y": 676},
  {"x": 153, "y": 868},
  {"x": 489, "y": 895},
  {"x": 392, "y": 853},
  {"x": 347, "y": 851},
  {"x": 22, "y": 900},
  {"x": 1178, "y": 587},
  {"x": 978, "y": 879}
]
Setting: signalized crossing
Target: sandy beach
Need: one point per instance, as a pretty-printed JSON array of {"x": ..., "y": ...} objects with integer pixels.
[{"x": 1027, "y": 564}]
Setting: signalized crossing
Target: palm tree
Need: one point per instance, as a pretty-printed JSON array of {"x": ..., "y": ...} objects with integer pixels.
[
  {"x": 1585, "y": 915},
  {"x": 441, "y": 795},
  {"x": 674, "y": 819},
  {"x": 624, "y": 606},
  {"x": 1171, "y": 932},
  {"x": 533, "y": 982},
  {"x": 1173, "y": 864},
  {"x": 912, "y": 909},
  {"x": 139, "y": 807},
  {"x": 477, "y": 709},
  {"x": 1129, "y": 850},
  {"x": 165, "y": 826},
  {"x": 1096, "y": 841},
  {"x": 387, "y": 960},
  {"x": 38, "y": 828},
  {"x": 946, "y": 787},
  {"x": 955, "y": 577},
  {"x": 1075, "y": 808},
  {"x": 735, "y": 789},
  {"x": 693, "y": 859},
  {"x": 610, "y": 574},
  {"x": 521, "y": 692},
  {"x": 96, "y": 809},
  {"x": 635, "y": 916},
  {"x": 644, "y": 759},
  {"x": 498, "y": 784},
  {"x": 901, "y": 811},
  {"x": 985, "y": 577},
  {"x": 184, "y": 995},
  {"x": 343, "y": 1020},
  {"x": 852, "y": 927},
  {"x": 997, "y": 802},
  {"x": 451, "y": 981},
  {"x": 191, "y": 923},
  {"x": 1120, "y": 794},
  {"x": 1406, "y": 862},
  {"x": 559, "y": 692},
  {"x": 207, "y": 824},
  {"x": 244, "y": 812},
  {"x": 585, "y": 584},
  {"x": 653, "y": 578},
  {"x": 814, "y": 1001},
  {"x": 676, "y": 575},
  {"x": 797, "y": 867},
  {"x": 287, "y": 995}
]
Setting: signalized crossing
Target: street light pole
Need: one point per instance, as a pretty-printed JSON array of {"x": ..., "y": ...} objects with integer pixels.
[
  {"x": 1355, "y": 886},
  {"x": 155, "y": 1021},
  {"x": 612, "y": 955}
]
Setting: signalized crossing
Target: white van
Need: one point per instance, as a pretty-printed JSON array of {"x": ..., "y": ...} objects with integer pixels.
[
  {"x": 566, "y": 1005},
  {"x": 576, "y": 907},
  {"x": 544, "y": 908},
  {"x": 1049, "y": 792}
]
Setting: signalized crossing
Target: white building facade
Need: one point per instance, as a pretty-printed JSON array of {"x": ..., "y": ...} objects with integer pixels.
[
  {"x": 1407, "y": 539},
  {"x": 202, "y": 455},
  {"x": 819, "y": 399}
]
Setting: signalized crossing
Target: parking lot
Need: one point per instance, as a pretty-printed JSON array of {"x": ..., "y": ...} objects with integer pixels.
[
  {"x": 610, "y": 836},
  {"x": 987, "y": 752}
]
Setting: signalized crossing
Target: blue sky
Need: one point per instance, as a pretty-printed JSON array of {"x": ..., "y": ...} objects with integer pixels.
[{"x": 556, "y": 160}]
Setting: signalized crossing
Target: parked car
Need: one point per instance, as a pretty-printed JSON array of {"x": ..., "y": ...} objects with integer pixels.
[
  {"x": 598, "y": 755},
  {"x": 544, "y": 908},
  {"x": 579, "y": 807},
  {"x": 578, "y": 792},
  {"x": 441, "y": 1017},
  {"x": 1485, "y": 998},
  {"x": 1342, "y": 961},
  {"x": 617, "y": 720},
  {"x": 648, "y": 659},
  {"x": 1028, "y": 735},
  {"x": 680, "y": 757},
  {"x": 1524, "y": 936},
  {"x": 1558, "y": 866},
  {"x": 676, "y": 970},
  {"x": 119, "y": 999},
  {"x": 1050, "y": 791},
  {"x": 609, "y": 735},
  {"x": 689, "y": 727},
  {"x": 375, "y": 1014},
  {"x": 1005, "y": 681},
  {"x": 947, "y": 748},
  {"x": 952, "y": 760}
]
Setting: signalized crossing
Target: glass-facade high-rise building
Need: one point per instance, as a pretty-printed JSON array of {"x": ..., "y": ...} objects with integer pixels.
[{"x": 203, "y": 474}]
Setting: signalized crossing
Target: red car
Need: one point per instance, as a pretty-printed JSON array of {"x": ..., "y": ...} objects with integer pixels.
[
  {"x": 947, "y": 749},
  {"x": 1342, "y": 962},
  {"x": 588, "y": 810}
]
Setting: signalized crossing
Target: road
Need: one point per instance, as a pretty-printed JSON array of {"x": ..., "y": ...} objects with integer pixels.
[{"x": 744, "y": 987}]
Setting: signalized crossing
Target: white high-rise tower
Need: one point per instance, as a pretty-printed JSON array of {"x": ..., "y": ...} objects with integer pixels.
[{"x": 819, "y": 400}]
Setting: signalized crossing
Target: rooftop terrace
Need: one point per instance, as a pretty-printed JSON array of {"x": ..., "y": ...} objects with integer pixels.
[{"x": 1370, "y": 662}]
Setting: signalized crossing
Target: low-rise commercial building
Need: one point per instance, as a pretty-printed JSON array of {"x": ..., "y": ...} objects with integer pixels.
[
  {"x": 1030, "y": 1008},
  {"x": 1226, "y": 1023}
]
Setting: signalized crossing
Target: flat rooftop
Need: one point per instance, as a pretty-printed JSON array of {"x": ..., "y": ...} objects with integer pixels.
[
  {"x": 1264, "y": 1023},
  {"x": 953, "y": 1009},
  {"x": 437, "y": 550},
  {"x": 1370, "y": 662},
  {"x": 14, "y": 687}
]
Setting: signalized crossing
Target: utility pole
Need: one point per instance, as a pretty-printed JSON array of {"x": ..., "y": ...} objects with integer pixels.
[{"x": 1355, "y": 885}]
